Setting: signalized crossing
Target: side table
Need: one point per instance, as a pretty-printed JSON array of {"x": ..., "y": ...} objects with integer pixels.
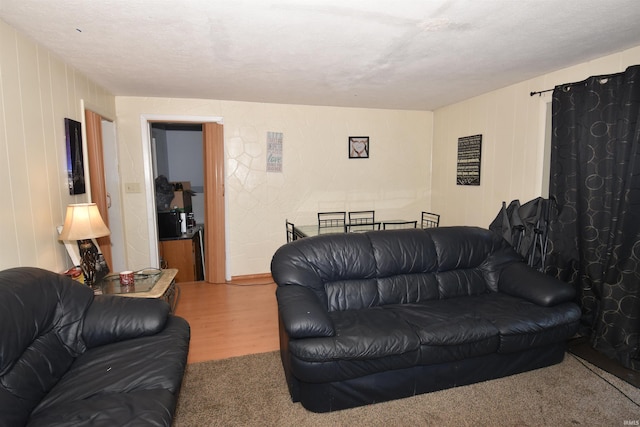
[{"x": 149, "y": 283}]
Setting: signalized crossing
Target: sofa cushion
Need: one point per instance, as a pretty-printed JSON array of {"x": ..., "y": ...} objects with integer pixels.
[
  {"x": 461, "y": 283},
  {"x": 359, "y": 334},
  {"x": 137, "y": 408},
  {"x": 401, "y": 252},
  {"x": 492, "y": 322},
  {"x": 464, "y": 327},
  {"x": 408, "y": 288},
  {"x": 352, "y": 294},
  {"x": 366, "y": 341},
  {"x": 449, "y": 329},
  {"x": 103, "y": 373},
  {"x": 111, "y": 318},
  {"x": 463, "y": 247},
  {"x": 523, "y": 324}
]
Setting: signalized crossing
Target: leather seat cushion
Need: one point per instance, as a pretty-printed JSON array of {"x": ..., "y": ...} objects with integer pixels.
[
  {"x": 110, "y": 374},
  {"x": 470, "y": 326},
  {"x": 439, "y": 331},
  {"x": 449, "y": 329},
  {"x": 523, "y": 324},
  {"x": 359, "y": 334}
]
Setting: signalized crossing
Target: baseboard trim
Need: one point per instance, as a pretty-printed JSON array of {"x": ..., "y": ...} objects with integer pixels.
[{"x": 263, "y": 277}]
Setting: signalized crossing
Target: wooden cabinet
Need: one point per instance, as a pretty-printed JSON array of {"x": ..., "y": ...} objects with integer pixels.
[{"x": 185, "y": 254}]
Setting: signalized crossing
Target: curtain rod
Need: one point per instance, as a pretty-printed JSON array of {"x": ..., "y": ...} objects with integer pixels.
[
  {"x": 603, "y": 79},
  {"x": 540, "y": 92}
]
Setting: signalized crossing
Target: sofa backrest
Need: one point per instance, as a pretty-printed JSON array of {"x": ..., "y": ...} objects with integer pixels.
[
  {"x": 356, "y": 270},
  {"x": 41, "y": 316}
]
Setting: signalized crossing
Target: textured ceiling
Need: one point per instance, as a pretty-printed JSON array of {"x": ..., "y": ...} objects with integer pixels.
[{"x": 401, "y": 54}]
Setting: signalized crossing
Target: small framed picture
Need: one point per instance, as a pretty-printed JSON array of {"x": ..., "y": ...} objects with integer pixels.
[
  {"x": 75, "y": 161},
  {"x": 358, "y": 147}
]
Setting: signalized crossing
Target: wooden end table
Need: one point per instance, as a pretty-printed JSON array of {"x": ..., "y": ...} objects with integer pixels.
[{"x": 149, "y": 283}]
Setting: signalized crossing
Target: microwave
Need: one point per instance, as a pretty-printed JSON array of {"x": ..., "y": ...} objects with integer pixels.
[{"x": 169, "y": 224}]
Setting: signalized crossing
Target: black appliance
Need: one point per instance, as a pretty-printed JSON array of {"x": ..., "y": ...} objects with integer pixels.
[{"x": 169, "y": 224}]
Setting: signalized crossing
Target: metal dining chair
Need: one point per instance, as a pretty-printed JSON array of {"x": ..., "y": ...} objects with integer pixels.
[
  {"x": 331, "y": 219},
  {"x": 399, "y": 224},
  {"x": 291, "y": 233},
  {"x": 362, "y": 217},
  {"x": 430, "y": 220}
]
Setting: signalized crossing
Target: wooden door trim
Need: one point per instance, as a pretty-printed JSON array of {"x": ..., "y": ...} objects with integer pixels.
[
  {"x": 215, "y": 246},
  {"x": 97, "y": 177},
  {"x": 214, "y": 230}
]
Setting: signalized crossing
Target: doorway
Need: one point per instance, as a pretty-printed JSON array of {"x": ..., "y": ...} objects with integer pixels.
[
  {"x": 177, "y": 150},
  {"x": 212, "y": 160}
]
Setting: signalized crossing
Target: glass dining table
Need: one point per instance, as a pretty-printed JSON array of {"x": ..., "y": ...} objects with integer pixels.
[
  {"x": 309, "y": 230},
  {"x": 313, "y": 230}
]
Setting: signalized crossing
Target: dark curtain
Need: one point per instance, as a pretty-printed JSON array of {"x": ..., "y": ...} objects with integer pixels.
[{"x": 595, "y": 181}]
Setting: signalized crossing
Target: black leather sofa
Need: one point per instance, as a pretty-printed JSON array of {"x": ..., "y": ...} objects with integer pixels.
[
  {"x": 370, "y": 317},
  {"x": 68, "y": 358}
]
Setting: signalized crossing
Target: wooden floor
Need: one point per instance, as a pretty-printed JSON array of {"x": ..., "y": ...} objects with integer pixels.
[{"x": 228, "y": 320}]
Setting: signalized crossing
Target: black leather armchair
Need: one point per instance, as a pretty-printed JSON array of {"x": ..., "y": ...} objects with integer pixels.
[
  {"x": 68, "y": 358},
  {"x": 369, "y": 317}
]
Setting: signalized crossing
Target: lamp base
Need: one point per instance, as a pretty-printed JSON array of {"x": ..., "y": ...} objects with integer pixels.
[{"x": 88, "y": 257}]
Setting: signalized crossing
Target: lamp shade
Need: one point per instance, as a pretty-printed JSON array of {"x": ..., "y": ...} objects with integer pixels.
[{"x": 83, "y": 221}]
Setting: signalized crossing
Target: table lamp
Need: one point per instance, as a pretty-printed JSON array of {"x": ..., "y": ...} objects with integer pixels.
[{"x": 83, "y": 223}]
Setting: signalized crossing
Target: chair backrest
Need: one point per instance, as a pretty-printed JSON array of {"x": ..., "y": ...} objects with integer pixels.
[
  {"x": 291, "y": 235},
  {"x": 399, "y": 224},
  {"x": 362, "y": 227},
  {"x": 362, "y": 217},
  {"x": 331, "y": 219},
  {"x": 430, "y": 220}
]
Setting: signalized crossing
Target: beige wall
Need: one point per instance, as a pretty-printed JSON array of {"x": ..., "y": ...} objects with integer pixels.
[
  {"x": 37, "y": 91},
  {"x": 512, "y": 124},
  {"x": 317, "y": 174}
]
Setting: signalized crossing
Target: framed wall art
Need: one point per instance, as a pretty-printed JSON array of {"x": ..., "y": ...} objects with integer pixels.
[
  {"x": 274, "y": 151},
  {"x": 75, "y": 160},
  {"x": 358, "y": 147},
  {"x": 469, "y": 157}
]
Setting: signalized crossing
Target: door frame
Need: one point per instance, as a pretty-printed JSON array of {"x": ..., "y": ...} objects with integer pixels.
[
  {"x": 145, "y": 122},
  {"x": 115, "y": 219}
]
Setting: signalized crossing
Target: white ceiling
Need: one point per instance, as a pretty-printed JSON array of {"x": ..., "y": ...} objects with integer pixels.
[{"x": 402, "y": 54}]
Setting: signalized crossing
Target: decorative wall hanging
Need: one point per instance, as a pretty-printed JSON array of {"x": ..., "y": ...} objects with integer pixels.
[
  {"x": 274, "y": 151},
  {"x": 75, "y": 160},
  {"x": 469, "y": 151},
  {"x": 358, "y": 147}
]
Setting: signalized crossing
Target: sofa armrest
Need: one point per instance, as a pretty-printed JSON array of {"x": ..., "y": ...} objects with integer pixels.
[
  {"x": 302, "y": 313},
  {"x": 520, "y": 280},
  {"x": 114, "y": 318}
]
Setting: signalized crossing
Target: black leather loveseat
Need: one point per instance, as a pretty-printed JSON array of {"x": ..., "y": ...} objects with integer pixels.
[
  {"x": 369, "y": 317},
  {"x": 68, "y": 358}
]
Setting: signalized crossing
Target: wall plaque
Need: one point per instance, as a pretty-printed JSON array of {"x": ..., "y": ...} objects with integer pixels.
[
  {"x": 469, "y": 151},
  {"x": 274, "y": 151}
]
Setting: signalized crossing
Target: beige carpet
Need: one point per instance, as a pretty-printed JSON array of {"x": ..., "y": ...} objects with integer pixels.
[{"x": 251, "y": 391}]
